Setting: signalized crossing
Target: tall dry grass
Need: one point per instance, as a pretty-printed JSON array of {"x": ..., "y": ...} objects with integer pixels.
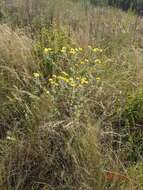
[{"x": 49, "y": 142}]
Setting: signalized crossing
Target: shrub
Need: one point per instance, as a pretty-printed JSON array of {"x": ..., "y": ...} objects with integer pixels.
[{"x": 131, "y": 120}]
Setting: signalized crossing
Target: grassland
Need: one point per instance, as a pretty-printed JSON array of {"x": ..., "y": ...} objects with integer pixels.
[{"x": 71, "y": 97}]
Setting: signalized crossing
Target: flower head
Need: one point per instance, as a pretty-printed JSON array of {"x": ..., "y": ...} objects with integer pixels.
[
  {"x": 64, "y": 73},
  {"x": 98, "y": 78},
  {"x": 84, "y": 81},
  {"x": 46, "y": 50},
  {"x": 36, "y": 75},
  {"x": 63, "y": 50},
  {"x": 86, "y": 60},
  {"x": 11, "y": 138},
  {"x": 72, "y": 51},
  {"x": 80, "y": 49},
  {"x": 96, "y": 50},
  {"x": 63, "y": 79},
  {"x": 97, "y": 61},
  {"x": 47, "y": 92},
  {"x": 82, "y": 62}
]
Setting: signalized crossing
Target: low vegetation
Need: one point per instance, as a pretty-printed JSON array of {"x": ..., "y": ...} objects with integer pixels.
[{"x": 71, "y": 97}]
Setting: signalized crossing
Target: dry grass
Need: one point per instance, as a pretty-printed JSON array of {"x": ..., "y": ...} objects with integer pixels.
[{"x": 68, "y": 139}]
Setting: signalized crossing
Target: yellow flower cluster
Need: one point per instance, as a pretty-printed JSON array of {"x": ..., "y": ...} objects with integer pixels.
[
  {"x": 74, "y": 50},
  {"x": 96, "y": 50},
  {"x": 64, "y": 77},
  {"x": 65, "y": 50},
  {"x": 86, "y": 61},
  {"x": 82, "y": 64},
  {"x": 71, "y": 50},
  {"x": 53, "y": 82}
]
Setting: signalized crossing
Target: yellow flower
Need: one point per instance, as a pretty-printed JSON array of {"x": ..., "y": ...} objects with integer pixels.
[
  {"x": 64, "y": 73},
  {"x": 97, "y": 50},
  {"x": 98, "y": 78},
  {"x": 73, "y": 84},
  {"x": 86, "y": 60},
  {"x": 72, "y": 51},
  {"x": 84, "y": 80},
  {"x": 54, "y": 76},
  {"x": 63, "y": 50},
  {"x": 63, "y": 79},
  {"x": 50, "y": 80},
  {"x": 36, "y": 75},
  {"x": 80, "y": 49},
  {"x": 97, "y": 61},
  {"x": 53, "y": 82},
  {"x": 11, "y": 138},
  {"x": 46, "y": 50},
  {"x": 71, "y": 79},
  {"x": 82, "y": 62},
  {"x": 47, "y": 92},
  {"x": 100, "y": 50}
]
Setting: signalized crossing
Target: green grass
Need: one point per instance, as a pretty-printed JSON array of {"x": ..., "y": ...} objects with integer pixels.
[{"x": 71, "y": 98}]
